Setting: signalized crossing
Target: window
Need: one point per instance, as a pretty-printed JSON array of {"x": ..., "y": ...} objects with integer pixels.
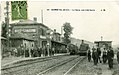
[
  {"x": 42, "y": 32},
  {"x": 32, "y": 45}
]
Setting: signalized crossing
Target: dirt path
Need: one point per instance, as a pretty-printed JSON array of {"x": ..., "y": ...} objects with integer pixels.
[{"x": 88, "y": 68}]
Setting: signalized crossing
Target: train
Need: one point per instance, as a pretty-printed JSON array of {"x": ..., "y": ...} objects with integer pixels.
[
  {"x": 73, "y": 49},
  {"x": 84, "y": 47},
  {"x": 82, "y": 50}
]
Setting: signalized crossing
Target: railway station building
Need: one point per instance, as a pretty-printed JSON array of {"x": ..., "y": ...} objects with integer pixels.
[
  {"x": 33, "y": 29},
  {"x": 40, "y": 34}
]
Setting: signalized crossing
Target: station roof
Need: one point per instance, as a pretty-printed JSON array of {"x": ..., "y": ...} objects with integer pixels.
[
  {"x": 28, "y": 22},
  {"x": 3, "y": 38},
  {"x": 22, "y": 36},
  {"x": 58, "y": 42},
  {"x": 102, "y": 41},
  {"x": 57, "y": 33}
]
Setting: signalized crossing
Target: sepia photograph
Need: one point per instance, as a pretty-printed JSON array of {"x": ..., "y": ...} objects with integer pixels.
[{"x": 59, "y": 37}]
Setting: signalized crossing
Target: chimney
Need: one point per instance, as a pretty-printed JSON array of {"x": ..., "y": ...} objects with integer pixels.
[
  {"x": 35, "y": 19},
  {"x": 62, "y": 31},
  {"x": 54, "y": 30}
]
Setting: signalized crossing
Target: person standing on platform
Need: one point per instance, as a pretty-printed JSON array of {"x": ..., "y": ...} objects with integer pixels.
[
  {"x": 104, "y": 56},
  {"x": 110, "y": 56},
  {"x": 118, "y": 56},
  {"x": 99, "y": 54},
  {"x": 43, "y": 50},
  {"x": 89, "y": 55},
  {"x": 39, "y": 51},
  {"x": 93, "y": 52},
  {"x": 53, "y": 51},
  {"x": 15, "y": 52},
  {"x": 95, "y": 56}
]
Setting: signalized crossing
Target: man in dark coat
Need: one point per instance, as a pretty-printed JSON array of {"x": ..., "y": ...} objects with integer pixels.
[
  {"x": 39, "y": 51},
  {"x": 89, "y": 55},
  {"x": 99, "y": 54},
  {"x": 95, "y": 56},
  {"x": 118, "y": 56},
  {"x": 110, "y": 56},
  {"x": 93, "y": 52},
  {"x": 104, "y": 56},
  {"x": 53, "y": 51}
]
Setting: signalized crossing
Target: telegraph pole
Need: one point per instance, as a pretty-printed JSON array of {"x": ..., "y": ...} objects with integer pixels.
[
  {"x": 101, "y": 38},
  {"x": 7, "y": 21},
  {"x": 61, "y": 31},
  {"x": 42, "y": 16}
]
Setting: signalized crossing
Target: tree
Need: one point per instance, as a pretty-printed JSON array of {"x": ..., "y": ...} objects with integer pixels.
[
  {"x": 68, "y": 31},
  {"x": 4, "y": 30}
]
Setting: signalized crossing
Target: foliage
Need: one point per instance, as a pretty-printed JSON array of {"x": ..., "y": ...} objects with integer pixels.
[{"x": 68, "y": 31}]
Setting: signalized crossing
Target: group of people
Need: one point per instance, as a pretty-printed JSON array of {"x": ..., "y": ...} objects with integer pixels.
[
  {"x": 36, "y": 52},
  {"x": 98, "y": 55}
]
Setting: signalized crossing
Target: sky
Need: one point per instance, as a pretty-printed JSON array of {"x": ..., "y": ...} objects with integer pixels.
[{"x": 87, "y": 25}]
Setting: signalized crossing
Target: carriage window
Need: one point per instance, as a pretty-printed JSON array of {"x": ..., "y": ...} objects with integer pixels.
[{"x": 32, "y": 45}]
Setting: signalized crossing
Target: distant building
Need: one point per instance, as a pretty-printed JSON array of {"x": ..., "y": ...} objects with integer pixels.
[
  {"x": 57, "y": 43},
  {"x": 104, "y": 44},
  {"x": 56, "y": 36}
]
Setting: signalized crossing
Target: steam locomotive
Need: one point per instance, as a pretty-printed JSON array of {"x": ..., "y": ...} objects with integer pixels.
[{"x": 82, "y": 50}]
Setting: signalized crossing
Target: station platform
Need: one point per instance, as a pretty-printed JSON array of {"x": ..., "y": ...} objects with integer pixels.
[{"x": 11, "y": 60}]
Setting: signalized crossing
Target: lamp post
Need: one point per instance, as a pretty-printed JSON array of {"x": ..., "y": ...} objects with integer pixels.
[
  {"x": 22, "y": 50},
  {"x": 48, "y": 43},
  {"x": 101, "y": 38},
  {"x": 49, "y": 33},
  {"x": 7, "y": 21},
  {"x": 48, "y": 48}
]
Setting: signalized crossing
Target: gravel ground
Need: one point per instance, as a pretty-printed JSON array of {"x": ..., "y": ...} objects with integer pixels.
[
  {"x": 63, "y": 68},
  {"x": 87, "y": 68},
  {"x": 35, "y": 68},
  {"x": 116, "y": 68},
  {"x": 84, "y": 68}
]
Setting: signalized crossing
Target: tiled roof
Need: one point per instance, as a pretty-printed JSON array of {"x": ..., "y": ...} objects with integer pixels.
[
  {"x": 28, "y": 22},
  {"x": 102, "y": 41},
  {"x": 58, "y": 42}
]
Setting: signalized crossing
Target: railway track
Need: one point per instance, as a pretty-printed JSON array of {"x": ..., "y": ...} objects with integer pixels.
[
  {"x": 64, "y": 63},
  {"x": 8, "y": 71},
  {"x": 31, "y": 62},
  {"x": 70, "y": 69}
]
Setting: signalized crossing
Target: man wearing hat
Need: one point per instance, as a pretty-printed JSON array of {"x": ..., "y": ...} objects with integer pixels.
[
  {"x": 95, "y": 55},
  {"x": 110, "y": 56}
]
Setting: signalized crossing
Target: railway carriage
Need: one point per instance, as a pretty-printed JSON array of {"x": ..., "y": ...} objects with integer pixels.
[{"x": 73, "y": 49}]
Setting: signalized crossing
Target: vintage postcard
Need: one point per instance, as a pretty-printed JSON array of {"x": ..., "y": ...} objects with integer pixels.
[{"x": 63, "y": 37}]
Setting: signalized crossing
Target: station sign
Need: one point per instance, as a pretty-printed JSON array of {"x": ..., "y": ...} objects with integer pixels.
[{"x": 25, "y": 30}]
